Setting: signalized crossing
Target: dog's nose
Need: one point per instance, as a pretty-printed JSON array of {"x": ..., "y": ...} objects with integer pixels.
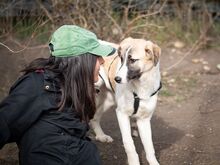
[{"x": 118, "y": 79}]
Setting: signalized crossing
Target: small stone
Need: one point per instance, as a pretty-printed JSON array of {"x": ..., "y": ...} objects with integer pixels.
[
  {"x": 204, "y": 62},
  {"x": 195, "y": 60},
  {"x": 189, "y": 135},
  {"x": 171, "y": 80},
  {"x": 186, "y": 80},
  {"x": 178, "y": 44},
  {"x": 164, "y": 74},
  {"x": 218, "y": 66},
  {"x": 173, "y": 50},
  {"x": 206, "y": 68}
]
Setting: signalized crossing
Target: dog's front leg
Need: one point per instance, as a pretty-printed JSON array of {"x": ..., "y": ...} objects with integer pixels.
[
  {"x": 95, "y": 124},
  {"x": 144, "y": 128},
  {"x": 124, "y": 124},
  {"x": 104, "y": 102}
]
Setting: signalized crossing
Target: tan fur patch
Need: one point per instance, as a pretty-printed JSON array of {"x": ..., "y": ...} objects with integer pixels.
[{"x": 110, "y": 67}]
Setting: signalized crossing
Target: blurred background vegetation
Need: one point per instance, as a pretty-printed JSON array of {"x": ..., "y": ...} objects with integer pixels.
[
  {"x": 26, "y": 26},
  {"x": 163, "y": 21}
]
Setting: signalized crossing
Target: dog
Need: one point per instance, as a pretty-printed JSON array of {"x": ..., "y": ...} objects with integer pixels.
[{"x": 129, "y": 81}]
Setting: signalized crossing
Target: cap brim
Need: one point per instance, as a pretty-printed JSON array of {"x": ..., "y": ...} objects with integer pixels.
[{"x": 103, "y": 50}]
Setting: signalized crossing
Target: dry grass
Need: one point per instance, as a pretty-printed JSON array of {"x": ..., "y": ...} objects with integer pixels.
[{"x": 163, "y": 22}]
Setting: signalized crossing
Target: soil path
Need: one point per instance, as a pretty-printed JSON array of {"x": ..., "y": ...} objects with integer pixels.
[{"x": 185, "y": 125}]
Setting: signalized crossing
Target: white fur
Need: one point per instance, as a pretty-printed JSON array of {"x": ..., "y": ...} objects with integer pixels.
[{"x": 123, "y": 100}]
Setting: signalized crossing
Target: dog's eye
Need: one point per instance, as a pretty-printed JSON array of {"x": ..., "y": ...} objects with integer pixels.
[
  {"x": 148, "y": 51},
  {"x": 132, "y": 60}
]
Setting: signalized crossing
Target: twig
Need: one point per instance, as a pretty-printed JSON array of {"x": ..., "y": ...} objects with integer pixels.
[
  {"x": 147, "y": 15},
  {"x": 111, "y": 18},
  {"x": 201, "y": 39},
  {"x": 193, "y": 49},
  {"x": 11, "y": 49},
  {"x": 28, "y": 47},
  {"x": 24, "y": 47},
  {"x": 45, "y": 10},
  {"x": 153, "y": 4},
  {"x": 140, "y": 26},
  {"x": 141, "y": 17}
]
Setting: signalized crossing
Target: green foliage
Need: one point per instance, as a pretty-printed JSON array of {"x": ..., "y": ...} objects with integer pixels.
[
  {"x": 166, "y": 92},
  {"x": 32, "y": 28}
]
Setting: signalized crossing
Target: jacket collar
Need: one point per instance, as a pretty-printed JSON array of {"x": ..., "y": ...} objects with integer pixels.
[{"x": 51, "y": 81}]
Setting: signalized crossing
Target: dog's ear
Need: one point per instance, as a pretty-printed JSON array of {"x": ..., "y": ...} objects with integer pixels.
[
  {"x": 156, "y": 53},
  {"x": 119, "y": 51}
]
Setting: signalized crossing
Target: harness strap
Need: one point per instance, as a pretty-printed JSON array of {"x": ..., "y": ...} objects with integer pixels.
[
  {"x": 137, "y": 99},
  {"x": 157, "y": 89},
  {"x": 136, "y": 102}
]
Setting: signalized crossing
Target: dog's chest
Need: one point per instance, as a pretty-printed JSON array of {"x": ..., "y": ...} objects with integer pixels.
[
  {"x": 126, "y": 103},
  {"x": 146, "y": 107}
]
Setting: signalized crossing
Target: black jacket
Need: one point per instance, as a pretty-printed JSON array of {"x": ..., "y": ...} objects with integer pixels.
[{"x": 29, "y": 117}]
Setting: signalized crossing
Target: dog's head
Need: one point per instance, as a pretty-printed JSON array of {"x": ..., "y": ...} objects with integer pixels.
[{"x": 138, "y": 56}]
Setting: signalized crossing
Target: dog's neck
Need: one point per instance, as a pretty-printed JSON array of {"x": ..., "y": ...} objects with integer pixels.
[{"x": 147, "y": 84}]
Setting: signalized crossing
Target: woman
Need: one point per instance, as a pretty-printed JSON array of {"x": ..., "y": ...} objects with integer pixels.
[{"x": 49, "y": 107}]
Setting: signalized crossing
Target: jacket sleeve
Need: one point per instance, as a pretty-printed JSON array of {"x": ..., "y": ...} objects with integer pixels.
[{"x": 19, "y": 110}]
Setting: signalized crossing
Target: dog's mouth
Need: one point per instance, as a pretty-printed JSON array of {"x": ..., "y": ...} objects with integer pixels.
[{"x": 134, "y": 74}]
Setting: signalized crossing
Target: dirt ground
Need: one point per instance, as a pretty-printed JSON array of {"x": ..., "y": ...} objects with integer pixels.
[{"x": 185, "y": 125}]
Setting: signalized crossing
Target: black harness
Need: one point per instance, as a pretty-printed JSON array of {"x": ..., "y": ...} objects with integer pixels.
[{"x": 137, "y": 99}]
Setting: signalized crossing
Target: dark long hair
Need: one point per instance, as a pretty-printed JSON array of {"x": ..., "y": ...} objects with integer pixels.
[{"x": 76, "y": 75}]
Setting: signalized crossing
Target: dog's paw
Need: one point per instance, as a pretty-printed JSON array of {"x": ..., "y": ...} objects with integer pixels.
[{"x": 104, "y": 139}]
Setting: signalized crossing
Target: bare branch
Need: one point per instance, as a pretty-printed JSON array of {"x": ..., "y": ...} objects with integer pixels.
[
  {"x": 110, "y": 17},
  {"x": 147, "y": 15},
  {"x": 23, "y": 47},
  {"x": 140, "y": 26},
  {"x": 45, "y": 10}
]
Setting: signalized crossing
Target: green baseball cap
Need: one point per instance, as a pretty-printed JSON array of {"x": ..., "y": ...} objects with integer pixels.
[{"x": 72, "y": 40}]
